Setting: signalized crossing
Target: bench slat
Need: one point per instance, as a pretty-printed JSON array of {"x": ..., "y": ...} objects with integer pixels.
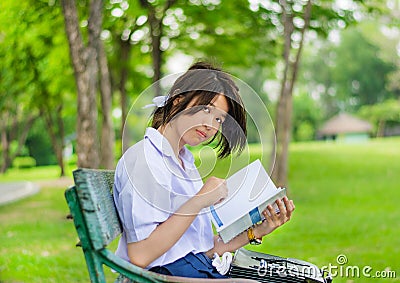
[{"x": 94, "y": 188}]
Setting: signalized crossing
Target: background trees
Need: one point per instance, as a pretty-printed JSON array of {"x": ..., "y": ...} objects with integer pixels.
[
  {"x": 351, "y": 72},
  {"x": 117, "y": 48},
  {"x": 90, "y": 68},
  {"x": 34, "y": 77}
]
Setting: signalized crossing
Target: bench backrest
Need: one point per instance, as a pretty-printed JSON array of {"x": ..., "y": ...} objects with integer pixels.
[{"x": 94, "y": 190}]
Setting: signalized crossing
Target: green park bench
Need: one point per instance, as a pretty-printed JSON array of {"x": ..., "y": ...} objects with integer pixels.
[{"x": 97, "y": 224}]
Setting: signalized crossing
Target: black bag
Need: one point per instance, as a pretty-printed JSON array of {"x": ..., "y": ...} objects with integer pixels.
[{"x": 269, "y": 268}]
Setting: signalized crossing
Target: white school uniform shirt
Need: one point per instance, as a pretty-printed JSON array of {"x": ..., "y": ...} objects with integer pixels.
[{"x": 150, "y": 185}]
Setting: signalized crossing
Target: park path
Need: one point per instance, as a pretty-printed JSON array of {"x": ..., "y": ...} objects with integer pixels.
[{"x": 13, "y": 191}]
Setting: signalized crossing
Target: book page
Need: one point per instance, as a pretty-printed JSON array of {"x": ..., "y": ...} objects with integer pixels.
[{"x": 248, "y": 188}]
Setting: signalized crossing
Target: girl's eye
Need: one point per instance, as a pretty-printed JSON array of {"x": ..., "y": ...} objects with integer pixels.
[
  {"x": 219, "y": 120},
  {"x": 206, "y": 109}
]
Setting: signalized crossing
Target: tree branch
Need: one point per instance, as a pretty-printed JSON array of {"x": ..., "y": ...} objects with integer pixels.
[{"x": 307, "y": 17}]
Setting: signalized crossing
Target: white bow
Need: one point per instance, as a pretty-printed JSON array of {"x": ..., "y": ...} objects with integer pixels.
[
  {"x": 158, "y": 101},
  {"x": 223, "y": 263}
]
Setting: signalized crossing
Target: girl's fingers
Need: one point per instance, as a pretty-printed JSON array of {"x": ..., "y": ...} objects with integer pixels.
[
  {"x": 282, "y": 208},
  {"x": 289, "y": 207},
  {"x": 268, "y": 216},
  {"x": 274, "y": 219},
  {"x": 271, "y": 216},
  {"x": 292, "y": 203}
]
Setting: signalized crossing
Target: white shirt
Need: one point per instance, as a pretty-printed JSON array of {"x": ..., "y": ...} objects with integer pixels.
[{"x": 150, "y": 185}]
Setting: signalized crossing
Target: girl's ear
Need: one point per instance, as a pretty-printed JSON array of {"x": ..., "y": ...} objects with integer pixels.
[{"x": 177, "y": 100}]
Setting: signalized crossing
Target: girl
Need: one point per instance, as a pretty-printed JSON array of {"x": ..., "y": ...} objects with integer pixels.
[{"x": 158, "y": 191}]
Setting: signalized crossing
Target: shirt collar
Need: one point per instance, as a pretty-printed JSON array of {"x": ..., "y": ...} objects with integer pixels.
[
  {"x": 162, "y": 144},
  {"x": 159, "y": 141}
]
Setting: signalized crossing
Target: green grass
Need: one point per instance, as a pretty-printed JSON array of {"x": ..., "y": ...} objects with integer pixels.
[
  {"x": 38, "y": 242},
  {"x": 51, "y": 172},
  {"x": 346, "y": 198}
]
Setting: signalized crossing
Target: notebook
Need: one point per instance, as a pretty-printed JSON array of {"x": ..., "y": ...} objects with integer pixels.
[{"x": 250, "y": 191}]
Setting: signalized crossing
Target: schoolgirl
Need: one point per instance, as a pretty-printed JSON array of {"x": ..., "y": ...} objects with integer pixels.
[{"x": 159, "y": 194}]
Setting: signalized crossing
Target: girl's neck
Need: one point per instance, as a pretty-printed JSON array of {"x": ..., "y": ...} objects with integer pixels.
[{"x": 173, "y": 138}]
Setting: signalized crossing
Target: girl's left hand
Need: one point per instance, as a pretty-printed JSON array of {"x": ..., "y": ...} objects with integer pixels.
[{"x": 275, "y": 219}]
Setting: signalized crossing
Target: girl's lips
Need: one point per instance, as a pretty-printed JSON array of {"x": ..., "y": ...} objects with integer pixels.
[{"x": 202, "y": 134}]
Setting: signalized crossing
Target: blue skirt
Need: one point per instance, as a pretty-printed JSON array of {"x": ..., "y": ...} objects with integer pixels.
[{"x": 192, "y": 265}]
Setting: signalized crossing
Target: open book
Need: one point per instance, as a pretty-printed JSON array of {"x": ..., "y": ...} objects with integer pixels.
[{"x": 250, "y": 191}]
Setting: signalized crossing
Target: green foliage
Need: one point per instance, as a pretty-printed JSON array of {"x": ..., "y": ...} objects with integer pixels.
[
  {"x": 306, "y": 117},
  {"x": 352, "y": 72},
  {"x": 37, "y": 75},
  {"x": 305, "y": 132},
  {"x": 381, "y": 114},
  {"x": 24, "y": 162},
  {"x": 229, "y": 32},
  {"x": 388, "y": 110},
  {"x": 359, "y": 72},
  {"x": 39, "y": 145}
]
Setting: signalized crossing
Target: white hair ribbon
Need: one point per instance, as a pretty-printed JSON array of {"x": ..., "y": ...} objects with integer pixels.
[
  {"x": 158, "y": 101},
  {"x": 223, "y": 263}
]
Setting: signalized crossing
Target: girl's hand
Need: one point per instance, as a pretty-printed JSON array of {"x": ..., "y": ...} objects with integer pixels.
[
  {"x": 213, "y": 192},
  {"x": 273, "y": 219}
]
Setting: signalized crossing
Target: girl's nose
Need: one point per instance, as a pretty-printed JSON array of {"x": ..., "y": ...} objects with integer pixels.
[{"x": 210, "y": 126}]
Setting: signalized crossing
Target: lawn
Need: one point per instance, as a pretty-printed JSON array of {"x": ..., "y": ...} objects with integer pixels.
[{"x": 346, "y": 205}]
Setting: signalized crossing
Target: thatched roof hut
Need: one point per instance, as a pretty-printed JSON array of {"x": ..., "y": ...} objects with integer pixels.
[{"x": 345, "y": 125}]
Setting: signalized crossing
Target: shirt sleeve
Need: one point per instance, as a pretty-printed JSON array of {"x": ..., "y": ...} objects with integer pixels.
[{"x": 142, "y": 199}]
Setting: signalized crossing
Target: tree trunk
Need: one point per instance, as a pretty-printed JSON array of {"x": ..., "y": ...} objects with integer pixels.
[
  {"x": 84, "y": 61},
  {"x": 156, "y": 52},
  {"x": 125, "y": 52},
  {"x": 6, "y": 162},
  {"x": 56, "y": 133},
  {"x": 283, "y": 123},
  {"x": 14, "y": 133},
  {"x": 61, "y": 131},
  {"x": 107, "y": 131},
  {"x": 381, "y": 128},
  {"x": 156, "y": 31}
]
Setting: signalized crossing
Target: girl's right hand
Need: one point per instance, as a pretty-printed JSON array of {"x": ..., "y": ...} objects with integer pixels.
[{"x": 213, "y": 192}]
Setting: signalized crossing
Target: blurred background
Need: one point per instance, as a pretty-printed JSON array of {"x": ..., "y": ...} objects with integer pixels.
[{"x": 328, "y": 72}]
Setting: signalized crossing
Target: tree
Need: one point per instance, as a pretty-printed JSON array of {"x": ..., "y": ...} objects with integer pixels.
[
  {"x": 292, "y": 20},
  {"x": 155, "y": 16},
  {"x": 381, "y": 114},
  {"x": 28, "y": 78},
  {"x": 291, "y": 58},
  {"x": 14, "y": 127},
  {"x": 88, "y": 62},
  {"x": 126, "y": 25},
  {"x": 352, "y": 72},
  {"x": 306, "y": 117},
  {"x": 360, "y": 75},
  {"x": 107, "y": 130},
  {"x": 48, "y": 59}
]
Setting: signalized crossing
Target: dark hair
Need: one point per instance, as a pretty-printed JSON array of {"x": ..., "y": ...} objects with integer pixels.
[{"x": 201, "y": 84}]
